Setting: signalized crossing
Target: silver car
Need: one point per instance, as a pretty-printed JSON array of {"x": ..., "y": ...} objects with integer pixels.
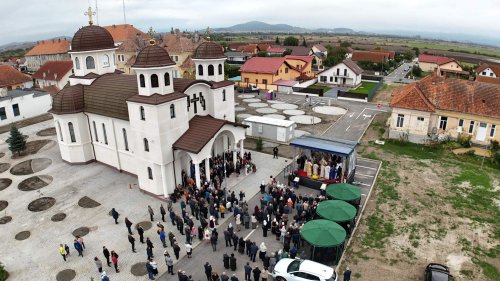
[{"x": 302, "y": 270}]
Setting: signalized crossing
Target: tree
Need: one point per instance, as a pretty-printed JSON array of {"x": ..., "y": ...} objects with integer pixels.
[
  {"x": 417, "y": 51},
  {"x": 335, "y": 56},
  {"x": 408, "y": 55},
  {"x": 3, "y": 273},
  {"x": 231, "y": 70},
  {"x": 291, "y": 41},
  {"x": 277, "y": 41},
  {"x": 345, "y": 44},
  {"x": 287, "y": 52},
  {"x": 16, "y": 140},
  {"x": 416, "y": 71},
  {"x": 262, "y": 54},
  {"x": 304, "y": 43}
]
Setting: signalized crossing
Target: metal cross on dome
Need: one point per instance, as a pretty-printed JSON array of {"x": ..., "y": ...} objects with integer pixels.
[{"x": 90, "y": 13}]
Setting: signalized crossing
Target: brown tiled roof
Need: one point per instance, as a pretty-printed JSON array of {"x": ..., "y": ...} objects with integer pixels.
[
  {"x": 485, "y": 79},
  {"x": 494, "y": 68},
  {"x": 10, "y": 76},
  {"x": 262, "y": 65},
  {"x": 181, "y": 84},
  {"x": 209, "y": 50},
  {"x": 53, "y": 70},
  {"x": 124, "y": 32},
  {"x": 320, "y": 47},
  {"x": 52, "y": 89},
  {"x": 90, "y": 38},
  {"x": 369, "y": 56},
  {"x": 449, "y": 94},
  {"x": 390, "y": 54},
  {"x": 92, "y": 75},
  {"x": 297, "y": 50},
  {"x": 48, "y": 47},
  {"x": 180, "y": 44},
  {"x": 263, "y": 47},
  {"x": 130, "y": 45},
  {"x": 187, "y": 63},
  {"x": 156, "y": 99},
  {"x": 68, "y": 100},
  {"x": 249, "y": 48},
  {"x": 353, "y": 66},
  {"x": 153, "y": 56},
  {"x": 201, "y": 130},
  {"x": 439, "y": 60}
]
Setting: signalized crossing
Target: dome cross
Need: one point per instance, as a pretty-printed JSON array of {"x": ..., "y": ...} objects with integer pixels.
[{"x": 90, "y": 13}]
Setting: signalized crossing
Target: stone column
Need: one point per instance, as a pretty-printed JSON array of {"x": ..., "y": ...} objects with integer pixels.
[
  {"x": 242, "y": 148},
  {"x": 207, "y": 168},
  {"x": 164, "y": 179},
  {"x": 197, "y": 174}
]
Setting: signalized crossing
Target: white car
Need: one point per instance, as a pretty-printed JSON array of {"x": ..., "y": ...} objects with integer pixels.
[{"x": 302, "y": 270}]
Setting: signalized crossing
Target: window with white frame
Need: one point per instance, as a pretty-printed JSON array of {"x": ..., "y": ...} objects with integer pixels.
[
  {"x": 492, "y": 130},
  {"x": 400, "y": 121},
  {"x": 471, "y": 127},
  {"x": 443, "y": 122}
]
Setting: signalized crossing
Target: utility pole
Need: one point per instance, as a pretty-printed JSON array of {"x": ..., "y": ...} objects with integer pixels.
[
  {"x": 124, "y": 17},
  {"x": 96, "y": 12}
]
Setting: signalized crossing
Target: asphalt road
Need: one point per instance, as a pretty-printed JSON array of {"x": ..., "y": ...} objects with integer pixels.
[{"x": 398, "y": 75}]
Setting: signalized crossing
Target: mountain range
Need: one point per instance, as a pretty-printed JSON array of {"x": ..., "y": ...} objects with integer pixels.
[{"x": 258, "y": 26}]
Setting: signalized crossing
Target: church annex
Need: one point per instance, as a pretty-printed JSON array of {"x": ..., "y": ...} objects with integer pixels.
[{"x": 149, "y": 124}]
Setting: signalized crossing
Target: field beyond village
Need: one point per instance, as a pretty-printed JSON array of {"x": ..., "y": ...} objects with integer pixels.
[{"x": 428, "y": 205}]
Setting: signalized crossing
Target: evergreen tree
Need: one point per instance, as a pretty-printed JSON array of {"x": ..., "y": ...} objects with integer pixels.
[
  {"x": 277, "y": 41},
  {"x": 16, "y": 140},
  {"x": 291, "y": 41},
  {"x": 304, "y": 42}
]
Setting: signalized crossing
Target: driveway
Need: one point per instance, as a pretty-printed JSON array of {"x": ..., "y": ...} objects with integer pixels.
[{"x": 398, "y": 75}]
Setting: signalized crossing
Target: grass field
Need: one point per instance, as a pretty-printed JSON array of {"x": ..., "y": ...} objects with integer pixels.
[
  {"x": 316, "y": 86},
  {"x": 364, "y": 88},
  {"x": 456, "y": 48}
]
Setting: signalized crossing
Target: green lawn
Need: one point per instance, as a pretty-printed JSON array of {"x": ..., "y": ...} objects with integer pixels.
[
  {"x": 316, "y": 86},
  {"x": 364, "y": 88},
  {"x": 457, "y": 48}
]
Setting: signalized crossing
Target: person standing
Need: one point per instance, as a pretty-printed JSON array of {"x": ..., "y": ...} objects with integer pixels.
[
  {"x": 149, "y": 269},
  {"x": 98, "y": 263},
  {"x": 227, "y": 238},
  {"x": 235, "y": 241},
  {"x": 80, "y": 240},
  {"x": 151, "y": 213},
  {"x": 253, "y": 251},
  {"x": 232, "y": 262},
  {"x": 275, "y": 152},
  {"x": 128, "y": 223},
  {"x": 114, "y": 259},
  {"x": 264, "y": 274},
  {"x": 208, "y": 270},
  {"x": 177, "y": 250},
  {"x": 234, "y": 278},
  {"x": 189, "y": 250},
  {"x": 256, "y": 274},
  {"x": 162, "y": 212},
  {"x": 169, "y": 262},
  {"x": 106, "y": 254},
  {"x": 140, "y": 230},
  {"x": 78, "y": 248},
  {"x": 163, "y": 238},
  {"x": 131, "y": 239},
  {"x": 248, "y": 271},
  {"x": 104, "y": 276},
  {"x": 213, "y": 241},
  {"x": 62, "y": 251},
  {"x": 115, "y": 215},
  {"x": 347, "y": 274},
  {"x": 66, "y": 248}
]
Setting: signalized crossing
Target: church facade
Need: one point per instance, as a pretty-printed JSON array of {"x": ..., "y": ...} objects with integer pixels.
[{"x": 149, "y": 124}]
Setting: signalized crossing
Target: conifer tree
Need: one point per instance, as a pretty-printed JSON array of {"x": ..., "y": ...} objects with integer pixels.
[{"x": 16, "y": 140}]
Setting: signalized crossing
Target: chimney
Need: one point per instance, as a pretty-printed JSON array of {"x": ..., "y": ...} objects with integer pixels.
[{"x": 55, "y": 76}]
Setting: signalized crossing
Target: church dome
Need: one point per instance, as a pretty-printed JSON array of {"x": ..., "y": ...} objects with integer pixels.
[
  {"x": 153, "y": 56},
  {"x": 90, "y": 38},
  {"x": 209, "y": 50},
  {"x": 68, "y": 100}
]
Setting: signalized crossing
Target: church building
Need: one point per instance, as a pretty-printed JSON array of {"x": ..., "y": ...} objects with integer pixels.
[{"x": 149, "y": 124}]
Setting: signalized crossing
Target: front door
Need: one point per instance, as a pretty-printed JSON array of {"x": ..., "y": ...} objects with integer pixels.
[
  {"x": 481, "y": 132},
  {"x": 343, "y": 81}
]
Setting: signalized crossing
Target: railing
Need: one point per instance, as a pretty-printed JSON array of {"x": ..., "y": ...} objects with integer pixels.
[{"x": 318, "y": 92}]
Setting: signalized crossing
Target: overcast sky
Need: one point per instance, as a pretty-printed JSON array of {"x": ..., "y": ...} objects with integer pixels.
[{"x": 29, "y": 20}]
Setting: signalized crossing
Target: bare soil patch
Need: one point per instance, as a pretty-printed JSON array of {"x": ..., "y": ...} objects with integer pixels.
[
  {"x": 145, "y": 224},
  {"x": 4, "y": 167},
  {"x": 23, "y": 235},
  {"x": 6, "y": 219},
  {"x": 47, "y": 132},
  {"x": 58, "y": 217},
  {"x": 2, "y": 154},
  {"x": 31, "y": 166},
  {"x": 41, "y": 204},
  {"x": 66, "y": 275},
  {"x": 81, "y": 231},
  {"x": 4, "y": 183},
  {"x": 139, "y": 269},
  {"x": 3, "y": 205},
  {"x": 87, "y": 202},
  {"x": 32, "y": 147},
  {"x": 35, "y": 182}
]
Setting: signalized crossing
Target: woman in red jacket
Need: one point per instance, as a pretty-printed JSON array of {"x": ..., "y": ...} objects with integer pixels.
[{"x": 114, "y": 259}]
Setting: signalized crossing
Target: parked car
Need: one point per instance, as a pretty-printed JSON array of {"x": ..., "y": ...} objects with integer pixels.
[
  {"x": 302, "y": 270},
  {"x": 249, "y": 89},
  {"x": 437, "y": 272}
]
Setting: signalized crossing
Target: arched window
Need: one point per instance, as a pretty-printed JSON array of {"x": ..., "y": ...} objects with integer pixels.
[
  {"x": 142, "y": 81},
  {"x": 210, "y": 70},
  {"x": 200, "y": 69},
  {"x": 125, "y": 140},
  {"x": 60, "y": 132},
  {"x": 167, "y": 79},
  {"x": 150, "y": 173},
  {"x": 143, "y": 115},
  {"x": 154, "y": 81},
  {"x": 89, "y": 62},
  {"x": 104, "y": 133},
  {"x": 105, "y": 61},
  {"x": 220, "y": 69},
  {"x": 172, "y": 111},
  {"x": 224, "y": 95},
  {"x": 95, "y": 131},
  {"x": 146, "y": 144},
  {"x": 71, "y": 132},
  {"x": 77, "y": 63}
]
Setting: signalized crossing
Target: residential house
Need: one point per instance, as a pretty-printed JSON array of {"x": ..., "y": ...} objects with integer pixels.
[
  {"x": 263, "y": 47},
  {"x": 349, "y": 53},
  {"x": 53, "y": 73},
  {"x": 488, "y": 73},
  {"x": 19, "y": 104},
  {"x": 441, "y": 107},
  {"x": 234, "y": 46},
  {"x": 125, "y": 32},
  {"x": 181, "y": 46},
  {"x": 236, "y": 57},
  {"x": 318, "y": 48},
  {"x": 46, "y": 50},
  {"x": 375, "y": 57},
  {"x": 389, "y": 54},
  {"x": 298, "y": 50},
  {"x": 344, "y": 74},
  {"x": 250, "y": 49},
  {"x": 126, "y": 54},
  {"x": 269, "y": 72},
  {"x": 276, "y": 51},
  {"x": 11, "y": 78},
  {"x": 443, "y": 65}
]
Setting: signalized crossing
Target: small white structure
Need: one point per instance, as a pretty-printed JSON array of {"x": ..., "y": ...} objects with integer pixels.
[
  {"x": 345, "y": 74},
  {"x": 19, "y": 104},
  {"x": 270, "y": 128}
]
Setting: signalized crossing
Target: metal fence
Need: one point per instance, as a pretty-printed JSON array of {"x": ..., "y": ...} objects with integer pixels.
[
  {"x": 371, "y": 77},
  {"x": 318, "y": 92},
  {"x": 375, "y": 89}
]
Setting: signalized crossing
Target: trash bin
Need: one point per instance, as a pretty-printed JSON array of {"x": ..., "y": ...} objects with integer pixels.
[{"x": 296, "y": 182}]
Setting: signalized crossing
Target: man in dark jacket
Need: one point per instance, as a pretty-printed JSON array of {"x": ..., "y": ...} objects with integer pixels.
[
  {"x": 131, "y": 239},
  {"x": 253, "y": 252},
  {"x": 225, "y": 261},
  {"x": 162, "y": 212},
  {"x": 256, "y": 273},
  {"x": 235, "y": 241},
  {"x": 227, "y": 238},
  {"x": 208, "y": 270},
  {"x": 177, "y": 250},
  {"x": 248, "y": 271},
  {"x": 140, "y": 230},
  {"x": 115, "y": 215},
  {"x": 224, "y": 277},
  {"x": 232, "y": 262},
  {"x": 347, "y": 274},
  {"x": 106, "y": 254},
  {"x": 128, "y": 223},
  {"x": 213, "y": 241}
]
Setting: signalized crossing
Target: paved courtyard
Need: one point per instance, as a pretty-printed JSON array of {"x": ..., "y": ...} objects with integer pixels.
[{"x": 66, "y": 184}]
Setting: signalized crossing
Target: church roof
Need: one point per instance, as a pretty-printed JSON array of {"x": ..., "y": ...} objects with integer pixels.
[
  {"x": 153, "y": 56},
  {"x": 90, "y": 38},
  {"x": 182, "y": 84},
  {"x": 209, "y": 50},
  {"x": 156, "y": 99},
  {"x": 68, "y": 100},
  {"x": 201, "y": 130}
]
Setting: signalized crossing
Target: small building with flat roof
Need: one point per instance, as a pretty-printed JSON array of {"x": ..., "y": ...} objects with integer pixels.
[{"x": 270, "y": 128}]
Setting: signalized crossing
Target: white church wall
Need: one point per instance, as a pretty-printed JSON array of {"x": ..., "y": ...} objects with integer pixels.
[
  {"x": 79, "y": 150},
  {"x": 104, "y": 62},
  {"x": 196, "y": 89},
  {"x": 160, "y": 72},
  {"x": 126, "y": 157},
  {"x": 205, "y": 63},
  {"x": 170, "y": 129},
  {"x": 223, "y": 109}
]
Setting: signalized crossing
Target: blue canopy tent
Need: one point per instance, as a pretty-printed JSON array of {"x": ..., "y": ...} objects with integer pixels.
[{"x": 318, "y": 151}]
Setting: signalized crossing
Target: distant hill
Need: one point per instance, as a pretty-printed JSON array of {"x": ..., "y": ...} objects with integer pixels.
[
  {"x": 258, "y": 26},
  {"x": 25, "y": 45}
]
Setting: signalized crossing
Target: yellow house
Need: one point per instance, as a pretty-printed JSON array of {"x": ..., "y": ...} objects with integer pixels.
[
  {"x": 442, "y": 65},
  {"x": 180, "y": 47},
  {"x": 440, "y": 108},
  {"x": 263, "y": 72}
]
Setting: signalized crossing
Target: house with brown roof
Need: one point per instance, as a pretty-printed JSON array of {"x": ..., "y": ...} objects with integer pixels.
[
  {"x": 124, "y": 32},
  {"x": 488, "y": 73},
  {"x": 11, "y": 78},
  {"x": 443, "y": 65},
  {"x": 181, "y": 47},
  {"x": 375, "y": 57},
  {"x": 250, "y": 49},
  {"x": 47, "y": 50},
  {"x": 344, "y": 74},
  {"x": 126, "y": 54},
  {"x": 53, "y": 73},
  {"x": 151, "y": 124},
  {"x": 439, "y": 108}
]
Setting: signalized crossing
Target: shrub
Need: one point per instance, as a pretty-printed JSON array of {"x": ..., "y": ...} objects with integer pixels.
[
  {"x": 259, "y": 145},
  {"x": 16, "y": 140},
  {"x": 3, "y": 273},
  {"x": 464, "y": 140},
  {"x": 497, "y": 157}
]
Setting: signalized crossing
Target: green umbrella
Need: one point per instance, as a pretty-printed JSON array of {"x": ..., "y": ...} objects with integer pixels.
[
  {"x": 336, "y": 210},
  {"x": 323, "y": 233},
  {"x": 343, "y": 191}
]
